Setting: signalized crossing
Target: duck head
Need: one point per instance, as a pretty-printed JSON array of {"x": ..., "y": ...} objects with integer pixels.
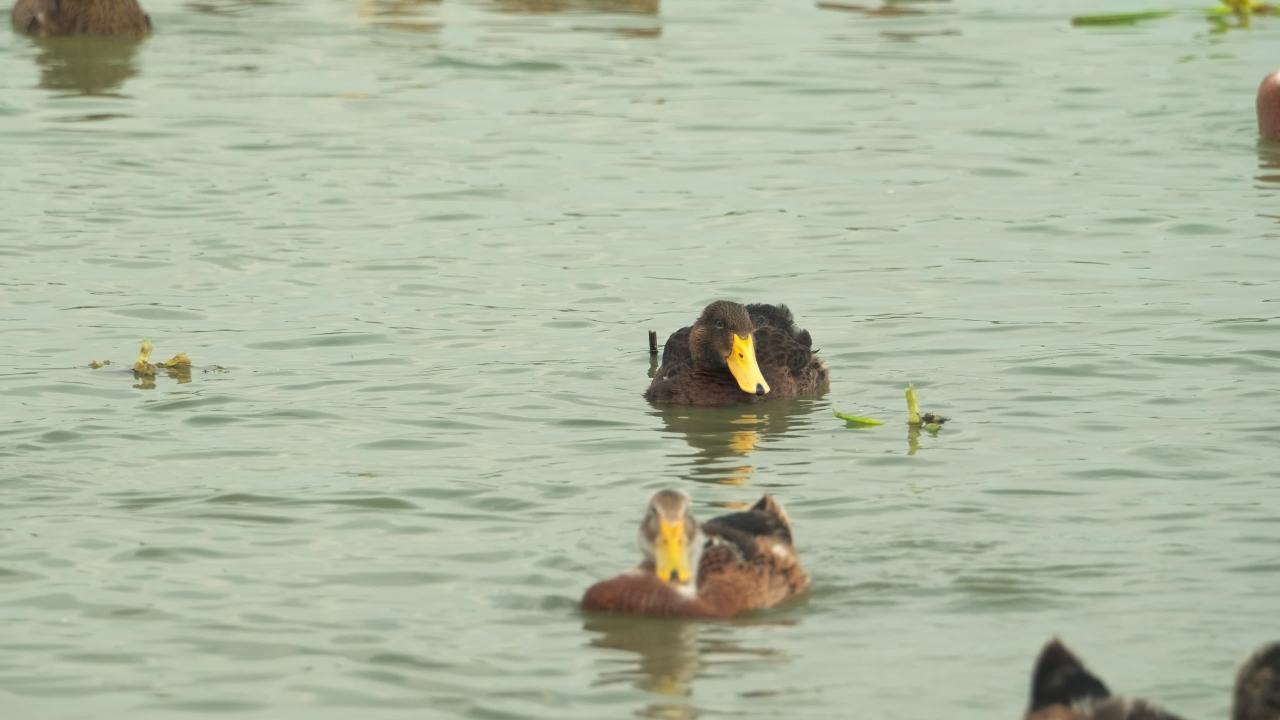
[
  {"x": 666, "y": 536},
  {"x": 724, "y": 336}
]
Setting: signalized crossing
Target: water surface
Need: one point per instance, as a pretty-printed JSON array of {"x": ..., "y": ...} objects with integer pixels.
[{"x": 425, "y": 242}]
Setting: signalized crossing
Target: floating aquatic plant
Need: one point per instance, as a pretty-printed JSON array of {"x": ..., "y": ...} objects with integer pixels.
[
  {"x": 915, "y": 418},
  {"x": 143, "y": 365},
  {"x": 857, "y": 420},
  {"x": 1241, "y": 10},
  {"x": 1129, "y": 18}
]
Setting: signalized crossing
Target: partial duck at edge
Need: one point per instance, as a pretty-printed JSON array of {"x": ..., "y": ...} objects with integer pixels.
[{"x": 1062, "y": 688}]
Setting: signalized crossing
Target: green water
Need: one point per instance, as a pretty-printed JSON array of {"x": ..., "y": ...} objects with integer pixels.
[{"x": 426, "y": 240}]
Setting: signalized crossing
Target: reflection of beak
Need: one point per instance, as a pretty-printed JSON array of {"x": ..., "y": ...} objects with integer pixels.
[
  {"x": 742, "y": 363},
  {"x": 743, "y": 441},
  {"x": 672, "y": 554}
]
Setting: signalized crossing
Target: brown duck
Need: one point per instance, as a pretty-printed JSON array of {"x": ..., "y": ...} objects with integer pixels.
[
  {"x": 747, "y": 563},
  {"x": 1063, "y": 689},
  {"x": 1269, "y": 107},
  {"x": 735, "y": 354},
  {"x": 50, "y": 18}
]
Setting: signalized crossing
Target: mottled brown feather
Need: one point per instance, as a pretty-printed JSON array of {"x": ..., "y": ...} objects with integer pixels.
[
  {"x": 693, "y": 373},
  {"x": 50, "y": 18}
]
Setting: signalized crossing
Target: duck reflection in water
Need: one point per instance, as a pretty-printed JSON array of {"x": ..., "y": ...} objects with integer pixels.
[
  {"x": 665, "y": 657},
  {"x": 410, "y": 15},
  {"x": 647, "y": 9},
  {"x": 723, "y": 438},
  {"x": 540, "y": 7},
  {"x": 86, "y": 65},
  {"x": 227, "y": 7}
]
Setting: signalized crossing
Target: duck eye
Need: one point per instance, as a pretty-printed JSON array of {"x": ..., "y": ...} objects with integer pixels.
[{"x": 719, "y": 324}]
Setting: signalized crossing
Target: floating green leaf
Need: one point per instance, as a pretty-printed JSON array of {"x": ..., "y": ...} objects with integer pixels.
[
  {"x": 1119, "y": 18},
  {"x": 856, "y": 419}
]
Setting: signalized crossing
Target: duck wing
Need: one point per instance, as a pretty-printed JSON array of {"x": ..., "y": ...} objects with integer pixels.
[
  {"x": 676, "y": 352},
  {"x": 748, "y": 561},
  {"x": 780, "y": 343}
]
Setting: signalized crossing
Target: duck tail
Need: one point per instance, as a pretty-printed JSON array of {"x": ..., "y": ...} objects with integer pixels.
[
  {"x": 1060, "y": 678},
  {"x": 769, "y": 505}
]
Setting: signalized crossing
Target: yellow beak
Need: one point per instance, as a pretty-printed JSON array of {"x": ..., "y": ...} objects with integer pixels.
[
  {"x": 671, "y": 561},
  {"x": 742, "y": 363}
]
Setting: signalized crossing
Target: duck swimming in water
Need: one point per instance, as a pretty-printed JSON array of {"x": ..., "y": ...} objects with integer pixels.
[
  {"x": 1257, "y": 694},
  {"x": 50, "y": 18},
  {"x": 747, "y": 563},
  {"x": 1063, "y": 689},
  {"x": 737, "y": 354}
]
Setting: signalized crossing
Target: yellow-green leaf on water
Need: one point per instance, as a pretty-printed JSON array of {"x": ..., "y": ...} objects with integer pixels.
[
  {"x": 1118, "y": 18},
  {"x": 913, "y": 409},
  {"x": 856, "y": 419}
]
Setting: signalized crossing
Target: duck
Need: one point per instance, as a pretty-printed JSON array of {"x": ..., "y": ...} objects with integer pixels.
[
  {"x": 52, "y": 18},
  {"x": 736, "y": 354},
  {"x": 1257, "y": 690},
  {"x": 748, "y": 562},
  {"x": 1269, "y": 107},
  {"x": 1062, "y": 688}
]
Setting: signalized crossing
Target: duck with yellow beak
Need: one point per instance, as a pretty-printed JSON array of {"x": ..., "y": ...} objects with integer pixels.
[
  {"x": 746, "y": 563},
  {"x": 736, "y": 354}
]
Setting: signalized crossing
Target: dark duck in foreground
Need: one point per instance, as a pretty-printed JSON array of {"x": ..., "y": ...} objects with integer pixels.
[
  {"x": 747, "y": 563},
  {"x": 51, "y": 18},
  {"x": 1257, "y": 695},
  {"x": 736, "y": 354},
  {"x": 1063, "y": 689}
]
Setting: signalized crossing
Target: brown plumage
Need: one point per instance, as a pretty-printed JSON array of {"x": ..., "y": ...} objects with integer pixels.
[
  {"x": 712, "y": 361},
  {"x": 1063, "y": 689},
  {"x": 1257, "y": 695},
  {"x": 1269, "y": 107},
  {"x": 50, "y": 18},
  {"x": 747, "y": 563}
]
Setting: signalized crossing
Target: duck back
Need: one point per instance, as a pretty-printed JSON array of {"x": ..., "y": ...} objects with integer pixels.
[{"x": 51, "y": 18}]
